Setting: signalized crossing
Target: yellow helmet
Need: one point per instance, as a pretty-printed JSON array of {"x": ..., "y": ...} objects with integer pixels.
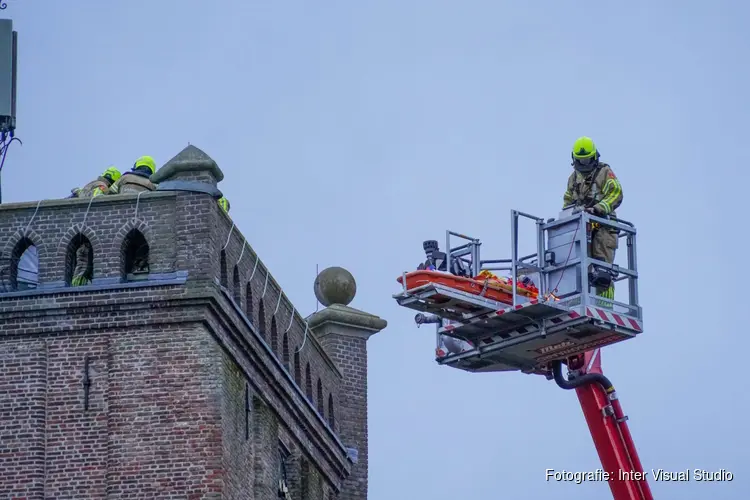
[
  {"x": 584, "y": 148},
  {"x": 112, "y": 174},
  {"x": 224, "y": 204},
  {"x": 145, "y": 161},
  {"x": 585, "y": 155}
]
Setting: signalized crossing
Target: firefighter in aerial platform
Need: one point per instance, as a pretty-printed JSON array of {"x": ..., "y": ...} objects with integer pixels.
[{"x": 594, "y": 187}]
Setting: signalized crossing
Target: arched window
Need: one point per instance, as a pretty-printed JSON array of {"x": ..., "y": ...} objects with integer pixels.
[
  {"x": 285, "y": 351},
  {"x": 274, "y": 335},
  {"x": 331, "y": 412},
  {"x": 24, "y": 266},
  {"x": 134, "y": 256},
  {"x": 297, "y": 370},
  {"x": 262, "y": 318},
  {"x": 236, "y": 290},
  {"x": 321, "y": 404},
  {"x": 308, "y": 383},
  {"x": 249, "y": 302},
  {"x": 224, "y": 269},
  {"x": 79, "y": 261}
]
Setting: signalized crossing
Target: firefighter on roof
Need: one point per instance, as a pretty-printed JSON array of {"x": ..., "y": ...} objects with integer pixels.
[
  {"x": 224, "y": 204},
  {"x": 100, "y": 185},
  {"x": 137, "y": 180},
  {"x": 594, "y": 186},
  {"x": 83, "y": 272}
]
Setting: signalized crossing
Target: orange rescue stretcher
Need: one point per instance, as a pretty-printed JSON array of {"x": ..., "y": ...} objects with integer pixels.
[{"x": 485, "y": 284}]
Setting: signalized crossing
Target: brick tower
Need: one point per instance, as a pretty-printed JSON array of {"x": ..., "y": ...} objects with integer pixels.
[
  {"x": 344, "y": 332},
  {"x": 181, "y": 370}
]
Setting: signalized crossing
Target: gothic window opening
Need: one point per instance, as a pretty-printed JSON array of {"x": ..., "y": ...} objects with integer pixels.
[
  {"x": 236, "y": 290},
  {"x": 331, "y": 418},
  {"x": 223, "y": 268},
  {"x": 283, "y": 473},
  {"x": 24, "y": 266},
  {"x": 79, "y": 262},
  {"x": 135, "y": 255},
  {"x": 297, "y": 370},
  {"x": 308, "y": 383},
  {"x": 249, "y": 302},
  {"x": 262, "y": 318},
  {"x": 274, "y": 335},
  {"x": 285, "y": 351},
  {"x": 321, "y": 407}
]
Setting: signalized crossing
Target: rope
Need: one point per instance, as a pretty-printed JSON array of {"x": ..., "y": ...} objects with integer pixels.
[
  {"x": 229, "y": 236},
  {"x": 484, "y": 287},
  {"x": 83, "y": 224},
  {"x": 137, "y": 201},
  {"x": 242, "y": 252},
  {"x": 265, "y": 286},
  {"x": 26, "y": 231},
  {"x": 291, "y": 321},
  {"x": 304, "y": 339},
  {"x": 279, "y": 302},
  {"x": 257, "y": 259}
]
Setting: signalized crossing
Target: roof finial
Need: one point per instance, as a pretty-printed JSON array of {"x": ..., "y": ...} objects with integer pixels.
[{"x": 335, "y": 285}]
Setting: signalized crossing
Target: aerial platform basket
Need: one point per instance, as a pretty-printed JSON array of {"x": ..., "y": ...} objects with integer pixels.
[{"x": 488, "y": 325}]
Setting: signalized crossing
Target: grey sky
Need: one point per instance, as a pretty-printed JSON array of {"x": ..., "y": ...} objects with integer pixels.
[{"x": 327, "y": 119}]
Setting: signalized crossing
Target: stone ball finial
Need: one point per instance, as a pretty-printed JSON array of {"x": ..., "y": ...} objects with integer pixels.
[{"x": 335, "y": 285}]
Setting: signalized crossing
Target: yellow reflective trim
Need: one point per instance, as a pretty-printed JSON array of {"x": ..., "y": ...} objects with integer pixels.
[
  {"x": 567, "y": 198},
  {"x": 79, "y": 281},
  {"x": 611, "y": 195}
]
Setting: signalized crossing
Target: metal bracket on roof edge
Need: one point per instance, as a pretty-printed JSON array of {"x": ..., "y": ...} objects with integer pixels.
[
  {"x": 353, "y": 454},
  {"x": 190, "y": 186}
]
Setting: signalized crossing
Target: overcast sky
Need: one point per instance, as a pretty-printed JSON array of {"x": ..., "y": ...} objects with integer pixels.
[{"x": 349, "y": 132}]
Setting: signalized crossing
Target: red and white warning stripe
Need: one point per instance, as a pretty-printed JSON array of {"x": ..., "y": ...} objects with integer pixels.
[
  {"x": 614, "y": 318},
  {"x": 483, "y": 317},
  {"x": 556, "y": 320},
  {"x": 522, "y": 330}
]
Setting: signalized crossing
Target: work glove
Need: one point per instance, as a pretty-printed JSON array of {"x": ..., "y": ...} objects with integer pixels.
[{"x": 595, "y": 210}]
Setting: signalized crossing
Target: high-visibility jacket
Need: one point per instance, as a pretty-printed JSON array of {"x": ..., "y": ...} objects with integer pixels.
[
  {"x": 600, "y": 188},
  {"x": 94, "y": 188},
  {"x": 133, "y": 182}
]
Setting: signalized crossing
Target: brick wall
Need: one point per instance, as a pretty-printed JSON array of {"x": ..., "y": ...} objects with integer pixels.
[
  {"x": 238, "y": 433},
  {"x": 351, "y": 355},
  {"x": 170, "y": 359},
  {"x": 23, "y": 386},
  {"x": 250, "y": 285},
  {"x": 150, "y": 407}
]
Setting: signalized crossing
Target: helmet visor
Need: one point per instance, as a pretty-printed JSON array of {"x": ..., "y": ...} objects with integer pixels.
[
  {"x": 585, "y": 161},
  {"x": 585, "y": 165}
]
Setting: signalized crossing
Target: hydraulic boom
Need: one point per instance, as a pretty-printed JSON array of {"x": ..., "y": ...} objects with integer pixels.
[{"x": 607, "y": 424}]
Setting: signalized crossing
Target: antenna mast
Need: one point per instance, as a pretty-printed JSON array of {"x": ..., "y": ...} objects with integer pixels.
[
  {"x": 317, "y": 302},
  {"x": 8, "y": 78}
]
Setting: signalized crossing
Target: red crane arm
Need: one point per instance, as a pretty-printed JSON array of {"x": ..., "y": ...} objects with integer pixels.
[{"x": 608, "y": 426}]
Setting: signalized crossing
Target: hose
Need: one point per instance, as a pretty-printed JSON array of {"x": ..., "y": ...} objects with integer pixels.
[{"x": 589, "y": 378}]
